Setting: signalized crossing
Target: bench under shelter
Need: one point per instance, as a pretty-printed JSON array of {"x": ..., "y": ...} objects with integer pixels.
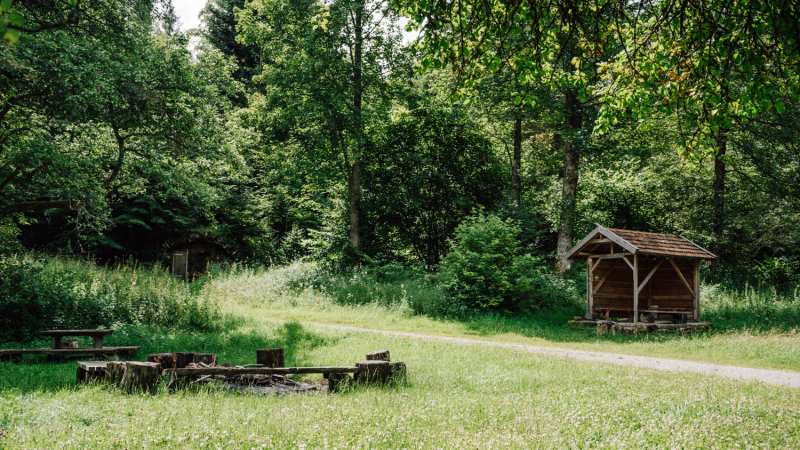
[{"x": 629, "y": 273}]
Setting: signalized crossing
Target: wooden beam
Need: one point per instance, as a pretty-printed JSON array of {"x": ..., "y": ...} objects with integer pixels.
[
  {"x": 594, "y": 266},
  {"x": 628, "y": 262},
  {"x": 603, "y": 280},
  {"x": 678, "y": 271},
  {"x": 650, "y": 275},
  {"x": 635, "y": 287},
  {"x": 589, "y": 268},
  {"x": 614, "y": 255},
  {"x": 696, "y": 290},
  {"x": 256, "y": 371}
]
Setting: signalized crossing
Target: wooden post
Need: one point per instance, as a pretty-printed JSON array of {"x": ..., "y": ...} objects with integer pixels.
[
  {"x": 696, "y": 289},
  {"x": 588, "y": 288},
  {"x": 97, "y": 341},
  {"x": 635, "y": 287},
  {"x": 270, "y": 357},
  {"x": 56, "y": 343}
]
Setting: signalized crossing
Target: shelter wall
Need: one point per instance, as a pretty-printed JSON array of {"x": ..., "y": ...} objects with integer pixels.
[{"x": 664, "y": 290}]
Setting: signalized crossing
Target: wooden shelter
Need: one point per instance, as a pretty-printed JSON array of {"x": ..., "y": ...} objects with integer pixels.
[
  {"x": 633, "y": 272},
  {"x": 190, "y": 256}
]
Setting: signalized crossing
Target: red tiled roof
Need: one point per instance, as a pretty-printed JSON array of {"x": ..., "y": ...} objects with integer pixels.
[{"x": 662, "y": 244}]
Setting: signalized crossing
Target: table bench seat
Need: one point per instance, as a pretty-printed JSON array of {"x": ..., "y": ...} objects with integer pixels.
[
  {"x": 97, "y": 336},
  {"x": 7, "y": 354}
]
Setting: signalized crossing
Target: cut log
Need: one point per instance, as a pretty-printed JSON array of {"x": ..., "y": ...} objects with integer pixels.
[
  {"x": 114, "y": 371},
  {"x": 270, "y": 357},
  {"x": 167, "y": 360},
  {"x": 337, "y": 380},
  {"x": 69, "y": 343},
  {"x": 373, "y": 372},
  {"x": 140, "y": 376},
  {"x": 183, "y": 359},
  {"x": 205, "y": 358},
  {"x": 379, "y": 355},
  {"x": 187, "y": 372}
]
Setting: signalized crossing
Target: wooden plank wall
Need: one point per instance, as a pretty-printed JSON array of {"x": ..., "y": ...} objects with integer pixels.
[{"x": 664, "y": 289}]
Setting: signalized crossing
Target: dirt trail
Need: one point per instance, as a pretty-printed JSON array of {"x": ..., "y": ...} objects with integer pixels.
[{"x": 776, "y": 377}]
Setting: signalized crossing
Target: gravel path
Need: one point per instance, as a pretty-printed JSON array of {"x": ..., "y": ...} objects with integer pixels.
[{"x": 776, "y": 377}]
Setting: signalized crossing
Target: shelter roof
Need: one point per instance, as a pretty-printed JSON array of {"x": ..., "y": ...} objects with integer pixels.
[{"x": 640, "y": 242}]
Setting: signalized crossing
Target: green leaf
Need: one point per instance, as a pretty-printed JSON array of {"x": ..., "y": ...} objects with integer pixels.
[
  {"x": 16, "y": 18},
  {"x": 780, "y": 107},
  {"x": 11, "y": 36},
  {"x": 5, "y": 5},
  {"x": 517, "y": 100}
]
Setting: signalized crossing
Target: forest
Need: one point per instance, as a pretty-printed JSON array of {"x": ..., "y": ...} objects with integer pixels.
[
  {"x": 391, "y": 132},
  {"x": 205, "y": 230}
]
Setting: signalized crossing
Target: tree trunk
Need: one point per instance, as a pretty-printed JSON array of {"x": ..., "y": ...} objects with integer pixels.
[
  {"x": 355, "y": 170},
  {"x": 718, "y": 197},
  {"x": 516, "y": 164},
  {"x": 115, "y": 370},
  {"x": 569, "y": 190}
]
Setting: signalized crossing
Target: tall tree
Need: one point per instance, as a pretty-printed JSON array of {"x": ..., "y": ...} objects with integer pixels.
[{"x": 327, "y": 66}]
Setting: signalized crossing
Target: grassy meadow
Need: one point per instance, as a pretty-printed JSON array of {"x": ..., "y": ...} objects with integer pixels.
[{"x": 455, "y": 396}]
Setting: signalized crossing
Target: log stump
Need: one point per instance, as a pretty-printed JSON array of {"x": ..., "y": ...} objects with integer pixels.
[
  {"x": 140, "y": 376},
  {"x": 69, "y": 343},
  {"x": 379, "y": 355},
  {"x": 337, "y": 380},
  {"x": 182, "y": 359},
  {"x": 209, "y": 359},
  {"x": 373, "y": 372},
  {"x": 167, "y": 360},
  {"x": 115, "y": 371},
  {"x": 270, "y": 357}
]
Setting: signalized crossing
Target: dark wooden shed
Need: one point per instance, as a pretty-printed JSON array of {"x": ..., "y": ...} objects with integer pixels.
[
  {"x": 633, "y": 272},
  {"x": 190, "y": 256}
]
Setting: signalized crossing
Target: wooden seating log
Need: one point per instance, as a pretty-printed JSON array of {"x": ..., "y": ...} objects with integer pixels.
[
  {"x": 69, "y": 343},
  {"x": 270, "y": 357},
  {"x": 115, "y": 371},
  {"x": 373, "y": 372},
  {"x": 183, "y": 359},
  {"x": 256, "y": 371},
  {"x": 140, "y": 376},
  {"x": 167, "y": 360},
  {"x": 378, "y": 355}
]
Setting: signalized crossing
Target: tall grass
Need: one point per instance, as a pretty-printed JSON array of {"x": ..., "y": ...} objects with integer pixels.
[
  {"x": 40, "y": 292},
  {"x": 759, "y": 306}
]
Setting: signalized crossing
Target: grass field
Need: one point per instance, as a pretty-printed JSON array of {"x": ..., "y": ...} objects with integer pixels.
[{"x": 455, "y": 396}]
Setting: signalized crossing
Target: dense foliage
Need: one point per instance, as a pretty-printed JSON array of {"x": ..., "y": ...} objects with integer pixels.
[
  {"x": 40, "y": 294},
  {"x": 285, "y": 130}
]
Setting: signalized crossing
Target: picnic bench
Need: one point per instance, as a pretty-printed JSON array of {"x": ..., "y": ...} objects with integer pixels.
[{"x": 56, "y": 349}]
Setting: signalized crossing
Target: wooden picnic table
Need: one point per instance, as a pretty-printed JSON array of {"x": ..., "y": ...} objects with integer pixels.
[
  {"x": 97, "y": 336},
  {"x": 55, "y": 352}
]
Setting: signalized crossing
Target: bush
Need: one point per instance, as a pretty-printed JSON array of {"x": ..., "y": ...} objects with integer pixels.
[
  {"x": 41, "y": 293},
  {"x": 486, "y": 271}
]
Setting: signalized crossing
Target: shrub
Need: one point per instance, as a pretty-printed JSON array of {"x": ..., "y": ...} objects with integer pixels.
[
  {"x": 486, "y": 271},
  {"x": 41, "y": 293}
]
